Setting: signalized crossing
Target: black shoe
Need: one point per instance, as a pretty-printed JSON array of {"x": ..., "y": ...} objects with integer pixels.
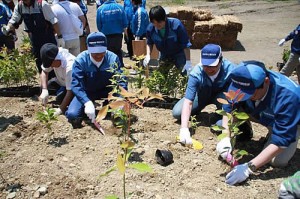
[
  {"x": 247, "y": 133},
  {"x": 76, "y": 123}
]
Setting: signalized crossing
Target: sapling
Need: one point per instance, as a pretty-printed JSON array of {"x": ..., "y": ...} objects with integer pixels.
[
  {"x": 47, "y": 117},
  {"x": 138, "y": 67},
  {"x": 235, "y": 119},
  {"x": 121, "y": 107}
]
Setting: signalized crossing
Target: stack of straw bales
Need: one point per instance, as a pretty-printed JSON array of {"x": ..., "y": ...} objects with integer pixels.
[{"x": 203, "y": 27}]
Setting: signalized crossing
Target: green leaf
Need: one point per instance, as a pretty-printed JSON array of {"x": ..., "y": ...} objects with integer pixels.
[
  {"x": 120, "y": 164},
  {"x": 111, "y": 197},
  {"x": 241, "y": 153},
  {"x": 140, "y": 166},
  {"x": 222, "y": 136},
  {"x": 241, "y": 115},
  {"x": 221, "y": 112},
  {"x": 217, "y": 128},
  {"x": 108, "y": 171}
]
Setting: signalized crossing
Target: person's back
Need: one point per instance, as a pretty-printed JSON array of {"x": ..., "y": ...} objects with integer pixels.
[
  {"x": 140, "y": 22},
  {"x": 62, "y": 10},
  {"x": 111, "y": 18}
]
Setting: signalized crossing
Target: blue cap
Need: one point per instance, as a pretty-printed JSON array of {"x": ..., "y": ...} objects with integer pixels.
[
  {"x": 96, "y": 42},
  {"x": 247, "y": 77},
  {"x": 210, "y": 55}
]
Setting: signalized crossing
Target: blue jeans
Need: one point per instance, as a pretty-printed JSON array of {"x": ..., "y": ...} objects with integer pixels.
[{"x": 205, "y": 99}]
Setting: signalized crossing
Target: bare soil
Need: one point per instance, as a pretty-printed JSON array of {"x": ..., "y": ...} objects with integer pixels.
[{"x": 67, "y": 162}]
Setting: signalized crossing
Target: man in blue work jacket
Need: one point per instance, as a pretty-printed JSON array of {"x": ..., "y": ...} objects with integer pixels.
[
  {"x": 207, "y": 82},
  {"x": 272, "y": 100},
  {"x": 90, "y": 78},
  {"x": 130, "y": 9},
  {"x": 112, "y": 21},
  {"x": 293, "y": 61},
  {"x": 170, "y": 38}
]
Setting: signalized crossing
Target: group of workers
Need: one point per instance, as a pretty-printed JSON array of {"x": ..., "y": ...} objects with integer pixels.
[{"x": 270, "y": 98}]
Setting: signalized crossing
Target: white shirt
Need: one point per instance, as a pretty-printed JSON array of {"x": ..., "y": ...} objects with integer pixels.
[
  {"x": 64, "y": 20},
  {"x": 64, "y": 72}
]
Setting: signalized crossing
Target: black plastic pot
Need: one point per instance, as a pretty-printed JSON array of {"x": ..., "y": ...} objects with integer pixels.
[
  {"x": 164, "y": 157},
  {"x": 22, "y": 91}
]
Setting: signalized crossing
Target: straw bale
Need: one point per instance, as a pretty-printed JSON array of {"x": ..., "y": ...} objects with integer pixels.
[
  {"x": 185, "y": 13},
  {"x": 201, "y": 26},
  {"x": 199, "y": 39},
  {"x": 218, "y": 24},
  {"x": 189, "y": 25},
  {"x": 202, "y": 15},
  {"x": 234, "y": 24},
  {"x": 230, "y": 35},
  {"x": 173, "y": 12},
  {"x": 228, "y": 44}
]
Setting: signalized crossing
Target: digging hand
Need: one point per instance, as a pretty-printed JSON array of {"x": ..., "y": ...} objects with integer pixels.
[
  {"x": 44, "y": 96},
  {"x": 185, "y": 136},
  {"x": 146, "y": 60},
  {"x": 281, "y": 42},
  {"x": 239, "y": 174},
  {"x": 89, "y": 110},
  {"x": 224, "y": 147}
]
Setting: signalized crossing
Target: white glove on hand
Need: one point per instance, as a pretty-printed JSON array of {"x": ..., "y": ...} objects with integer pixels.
[
  {"x": 224, "y": 147},
  {"x": 60, "y": 42},
  {"x": 185, "y": 136},
  {"x": 44, "y": 96},
  {"x": 57, "y": 112},
  {"x": 187, "y": 67},
  {"x": 239, "y": 174},
  {"x": 281, "y": 42},
  {"x": 136, "y": 38},
  {"x": 5, "y": 30},
  {"x": 89, "y": 110},
  {"x": 146, "y": 60}
]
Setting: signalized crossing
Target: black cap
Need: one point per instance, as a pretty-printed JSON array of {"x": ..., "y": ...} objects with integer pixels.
[{"x": 48, "y": 53}]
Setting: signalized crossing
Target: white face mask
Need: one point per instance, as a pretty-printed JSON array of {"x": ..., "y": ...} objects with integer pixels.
[{"x": 98, "y": 64}]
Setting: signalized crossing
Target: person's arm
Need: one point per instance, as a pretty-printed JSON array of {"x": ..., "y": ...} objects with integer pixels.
[
  {"x": 83, "y": 20},
  {"x": 266, "y": 155},
  {"x": 186, "y": 113},
  {"x": 149, "y": 49},
  {"x": 98, "y": 20},
  {"x": 44, "y": 80},
  {"x": 66, "y": 101}
]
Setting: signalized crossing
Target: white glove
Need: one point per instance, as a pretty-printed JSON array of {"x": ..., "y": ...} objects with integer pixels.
[
  {"x": 89, "y": 110},
  {"x": 44, "y": 96},
  {"x": 281, "y": 42},
  {"x": 60, "y": 42},
  {"x": 146, "y": 60},
  {"x": 57, "y": 112},
  {"x": 187, "y": 67},
  {"x": 136, "y": 38},
  {"x": 5, "y": 30},
  {"x": 239, "y": 174},
  {"x": 185, "y": 136},
  {"x": 224, "y": 147}
]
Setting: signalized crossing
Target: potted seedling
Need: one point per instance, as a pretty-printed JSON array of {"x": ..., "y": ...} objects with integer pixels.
[
  {"x": 169, "y": 81},
  {"x": 235, "y": 119},
  {"x": 121, "y": 108},
  {"x": 17, "y": 73}
]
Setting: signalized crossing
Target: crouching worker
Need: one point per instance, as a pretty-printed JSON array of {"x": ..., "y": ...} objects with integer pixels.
[
  {"x": 206, "y": 83},
  {"x": 61, "y": 61},
  {"x": 90, "y": 78},
  {"x": 272, "y": 100}
]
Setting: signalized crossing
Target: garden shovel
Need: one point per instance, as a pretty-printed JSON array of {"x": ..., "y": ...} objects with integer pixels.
[{"x": 99, "y": 128}]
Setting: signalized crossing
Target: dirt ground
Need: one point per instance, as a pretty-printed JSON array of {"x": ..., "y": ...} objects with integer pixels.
[{"x": 65, "y": 163}]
